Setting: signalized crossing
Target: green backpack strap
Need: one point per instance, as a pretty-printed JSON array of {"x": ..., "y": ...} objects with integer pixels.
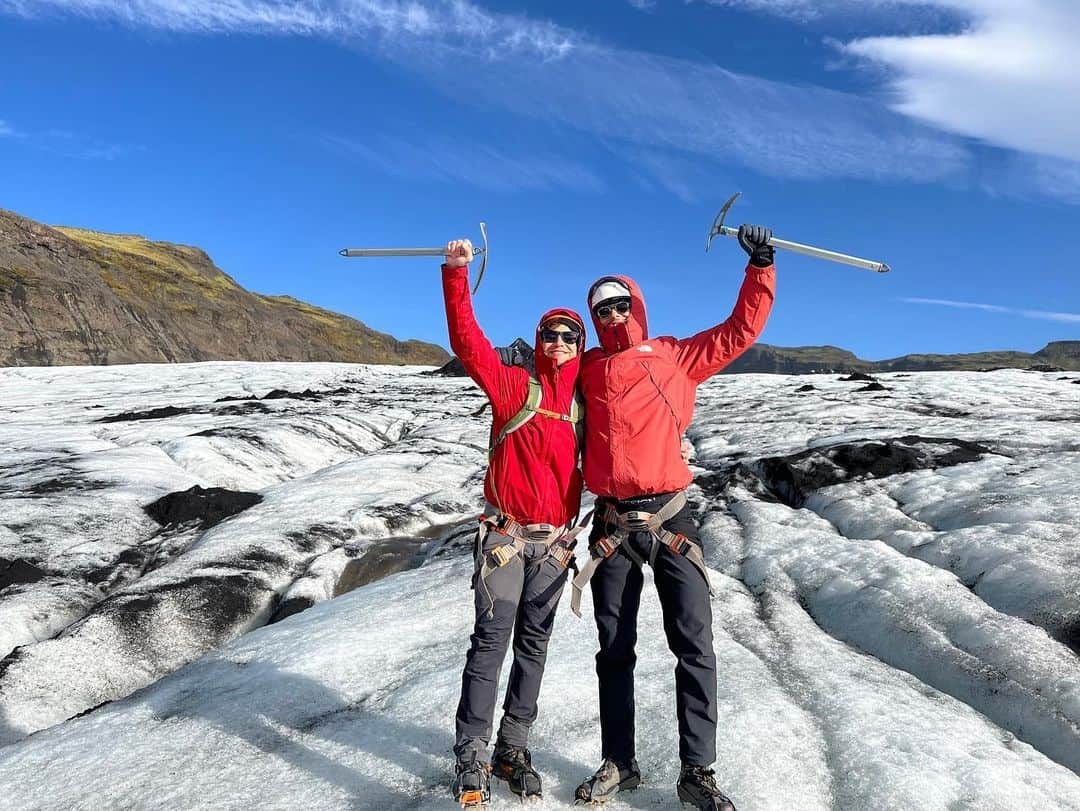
[
  {"x": 527, "y": 411},
  {"x": 531, "y": 407},
  {"x": 577, "y": 417}
]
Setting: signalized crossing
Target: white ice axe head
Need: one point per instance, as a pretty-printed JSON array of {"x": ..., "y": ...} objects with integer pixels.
[
  {"x": 719, "y": 229},
  {"x": 425, "y": 252}
]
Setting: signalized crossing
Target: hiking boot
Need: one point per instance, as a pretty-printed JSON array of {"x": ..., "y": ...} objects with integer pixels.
[
  {"x": 514, "y": 765},
  {"x": 471, "y": 785},
  {"x": 697, "y": 787},
  {"x": 609, "y": 780}
]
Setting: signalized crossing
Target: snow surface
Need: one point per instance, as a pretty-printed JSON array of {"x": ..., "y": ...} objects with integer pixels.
[{"x": 891, "y": 639}]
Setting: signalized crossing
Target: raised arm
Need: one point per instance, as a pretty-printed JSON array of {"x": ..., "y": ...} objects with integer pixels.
[
  {"x": 706, "y": 353},
  {"x": 467, "y": 340}
]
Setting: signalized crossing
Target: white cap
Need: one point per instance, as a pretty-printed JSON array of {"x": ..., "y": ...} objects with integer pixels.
[{"x": 611, "y": 288}]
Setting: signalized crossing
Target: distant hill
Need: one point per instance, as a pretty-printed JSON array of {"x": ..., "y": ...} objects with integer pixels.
[
  {"x": 1063, "y": 355},
  {"x": 73, "y": 297}
]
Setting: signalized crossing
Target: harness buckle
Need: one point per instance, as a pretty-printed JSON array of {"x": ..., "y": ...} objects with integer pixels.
[
  {"x": 538, "y": 533},
  {"x": 606, "y": 546},
  {"x": 562, "y": 553},
  {"x": 503, "y": 523},
  {"x": 503, "y": 554},
  {"x": 636, "y": 520},
  {"x": 678, "y": 543}
]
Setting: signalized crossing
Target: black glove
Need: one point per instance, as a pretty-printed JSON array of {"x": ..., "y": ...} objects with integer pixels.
[{"x": 755, "y": 241}]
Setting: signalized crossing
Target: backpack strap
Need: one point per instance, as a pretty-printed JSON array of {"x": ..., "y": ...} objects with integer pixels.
[{"x": 531, "y": 407}]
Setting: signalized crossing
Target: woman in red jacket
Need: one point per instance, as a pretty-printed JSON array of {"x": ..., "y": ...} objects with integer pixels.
[{"x": 533, "y": 492}]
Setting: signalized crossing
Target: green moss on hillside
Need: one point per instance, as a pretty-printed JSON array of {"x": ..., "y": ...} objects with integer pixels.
[{"x": 131, "y": 264}]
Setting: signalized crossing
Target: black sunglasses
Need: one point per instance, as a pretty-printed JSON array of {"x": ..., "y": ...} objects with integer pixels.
[
  {"x": 568, "y": 336},
  {"x": 621, "y": 306}
]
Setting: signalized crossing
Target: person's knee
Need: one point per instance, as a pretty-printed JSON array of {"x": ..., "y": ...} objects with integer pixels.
[
  {"x": 493, "y": 632},
  {"x": 616, "y": 658}
]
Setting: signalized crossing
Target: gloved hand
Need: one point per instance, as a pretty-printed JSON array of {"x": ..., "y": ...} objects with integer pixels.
[{"x": 755, "y": 241}]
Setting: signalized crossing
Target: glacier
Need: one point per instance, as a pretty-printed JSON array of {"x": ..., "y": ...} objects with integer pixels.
[{"x": 897, "y": 570}]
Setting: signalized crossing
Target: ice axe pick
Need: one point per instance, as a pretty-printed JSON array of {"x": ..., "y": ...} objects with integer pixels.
[
  {"x": 425, "y": 252},
  {"x": 719, "y": 229}
]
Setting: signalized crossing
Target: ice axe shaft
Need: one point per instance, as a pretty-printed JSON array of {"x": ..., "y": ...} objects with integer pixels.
[
  {"x": 399, "y": 251},
  {"x": 719, "y": 229},
  {"x": 481, "y": 251}
]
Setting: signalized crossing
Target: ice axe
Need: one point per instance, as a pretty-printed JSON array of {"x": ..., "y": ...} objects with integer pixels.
[
  {"x": 719, "y": 229},
  {"x": 424, "y": 252}
]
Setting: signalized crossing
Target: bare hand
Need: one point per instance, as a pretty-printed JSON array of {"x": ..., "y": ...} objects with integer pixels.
[
  {"x": 686, "y": 450},
  {"x": 459, "y": 253}
]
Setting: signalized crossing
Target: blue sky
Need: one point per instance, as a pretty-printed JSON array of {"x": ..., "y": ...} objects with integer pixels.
[{"x": 594, "y": 137}]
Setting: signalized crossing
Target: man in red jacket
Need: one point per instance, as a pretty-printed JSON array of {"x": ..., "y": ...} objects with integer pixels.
[
  {"x": 533, "y": 490},
  {"x": 639, "y": 399}
]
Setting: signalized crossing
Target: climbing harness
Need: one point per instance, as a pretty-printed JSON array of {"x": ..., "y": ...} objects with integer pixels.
[
  {"x": 639, "y": 521},
  {"x": 559, "y": 540}
]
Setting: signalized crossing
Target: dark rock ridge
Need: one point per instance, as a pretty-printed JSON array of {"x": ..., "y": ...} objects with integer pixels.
[
  {"x": 1056, "y": 356},
  {"x": 790, "y": 479},
  {"x": 763, "y": 358},
  {"x": 75, "y": 297}
]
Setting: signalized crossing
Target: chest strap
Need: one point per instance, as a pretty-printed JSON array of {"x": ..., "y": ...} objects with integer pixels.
[{"x": 639, "y": 521}]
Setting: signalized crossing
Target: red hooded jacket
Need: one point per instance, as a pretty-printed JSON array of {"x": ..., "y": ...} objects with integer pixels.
[
  {"x": 639, "y": 393},
  {"x": 534, "y": 474}
]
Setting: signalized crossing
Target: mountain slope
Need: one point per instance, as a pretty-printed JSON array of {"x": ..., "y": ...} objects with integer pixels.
[{"x": 74, "y": 297}]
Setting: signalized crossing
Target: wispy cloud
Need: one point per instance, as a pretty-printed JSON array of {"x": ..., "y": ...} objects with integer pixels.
[
  {"x": 66, "y": 143},
  {"x": 671, "y": 108},
  {"x": 1044, "y": 315},
  {"x": 453, "y": 21},
  {"x": 478, "y": 164}
]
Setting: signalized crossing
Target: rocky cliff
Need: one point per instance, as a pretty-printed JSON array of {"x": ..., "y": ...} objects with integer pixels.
[
  {"x": 75, "y": 297},
  {"x": 1063, "y": 355}
]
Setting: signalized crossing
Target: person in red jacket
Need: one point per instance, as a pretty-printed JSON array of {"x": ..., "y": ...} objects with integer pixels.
[
  {"x": 533, "y": 491},
  {"x": 639, "y": 399}
]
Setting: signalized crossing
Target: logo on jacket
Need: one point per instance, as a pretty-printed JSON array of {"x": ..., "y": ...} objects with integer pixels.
[{"x": 644, "y": 348}]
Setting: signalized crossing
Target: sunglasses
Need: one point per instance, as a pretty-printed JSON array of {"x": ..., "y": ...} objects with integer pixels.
[
  {"x": 620, "y": 306},
  {"x": 567, "y": 336}
]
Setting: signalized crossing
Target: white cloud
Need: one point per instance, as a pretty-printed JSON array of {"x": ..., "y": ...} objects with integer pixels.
[
  {"x": 1044, "y": 315},
  {"x": 476, "y": 164},
  {"x": 1009, "y": 77},
  {"x": 6, "y": 129}
]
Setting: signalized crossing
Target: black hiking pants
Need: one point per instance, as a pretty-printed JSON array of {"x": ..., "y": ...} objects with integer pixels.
[
  {"x": 517, "y": 601},
  {"x": 684, "y": 600}
]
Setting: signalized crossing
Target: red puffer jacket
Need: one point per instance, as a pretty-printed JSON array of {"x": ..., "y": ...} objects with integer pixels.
[
  {"x": 639, "y": 393},
  {"x": 534, "y": 475}
]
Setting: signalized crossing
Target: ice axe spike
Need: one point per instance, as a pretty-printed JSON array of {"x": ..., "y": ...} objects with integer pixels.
[
  {"x": 348, "y": 252},
  {"x": 719, "y": 229}
]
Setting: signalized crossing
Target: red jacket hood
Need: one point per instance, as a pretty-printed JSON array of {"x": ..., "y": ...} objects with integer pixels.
[
  {"x": 544, "y": 364},
  {"x": 617, "y": 337}
]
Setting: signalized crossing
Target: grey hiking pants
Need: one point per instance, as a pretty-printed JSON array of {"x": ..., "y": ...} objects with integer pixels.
[
  {"x": 524, "y": 595},
  {"x": 684, "y": 600}
]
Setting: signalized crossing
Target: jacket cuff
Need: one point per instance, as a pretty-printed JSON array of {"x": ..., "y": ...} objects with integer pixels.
[
  {"x": 447, "y": 269},
  {"x": 752, "y": 268}
]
